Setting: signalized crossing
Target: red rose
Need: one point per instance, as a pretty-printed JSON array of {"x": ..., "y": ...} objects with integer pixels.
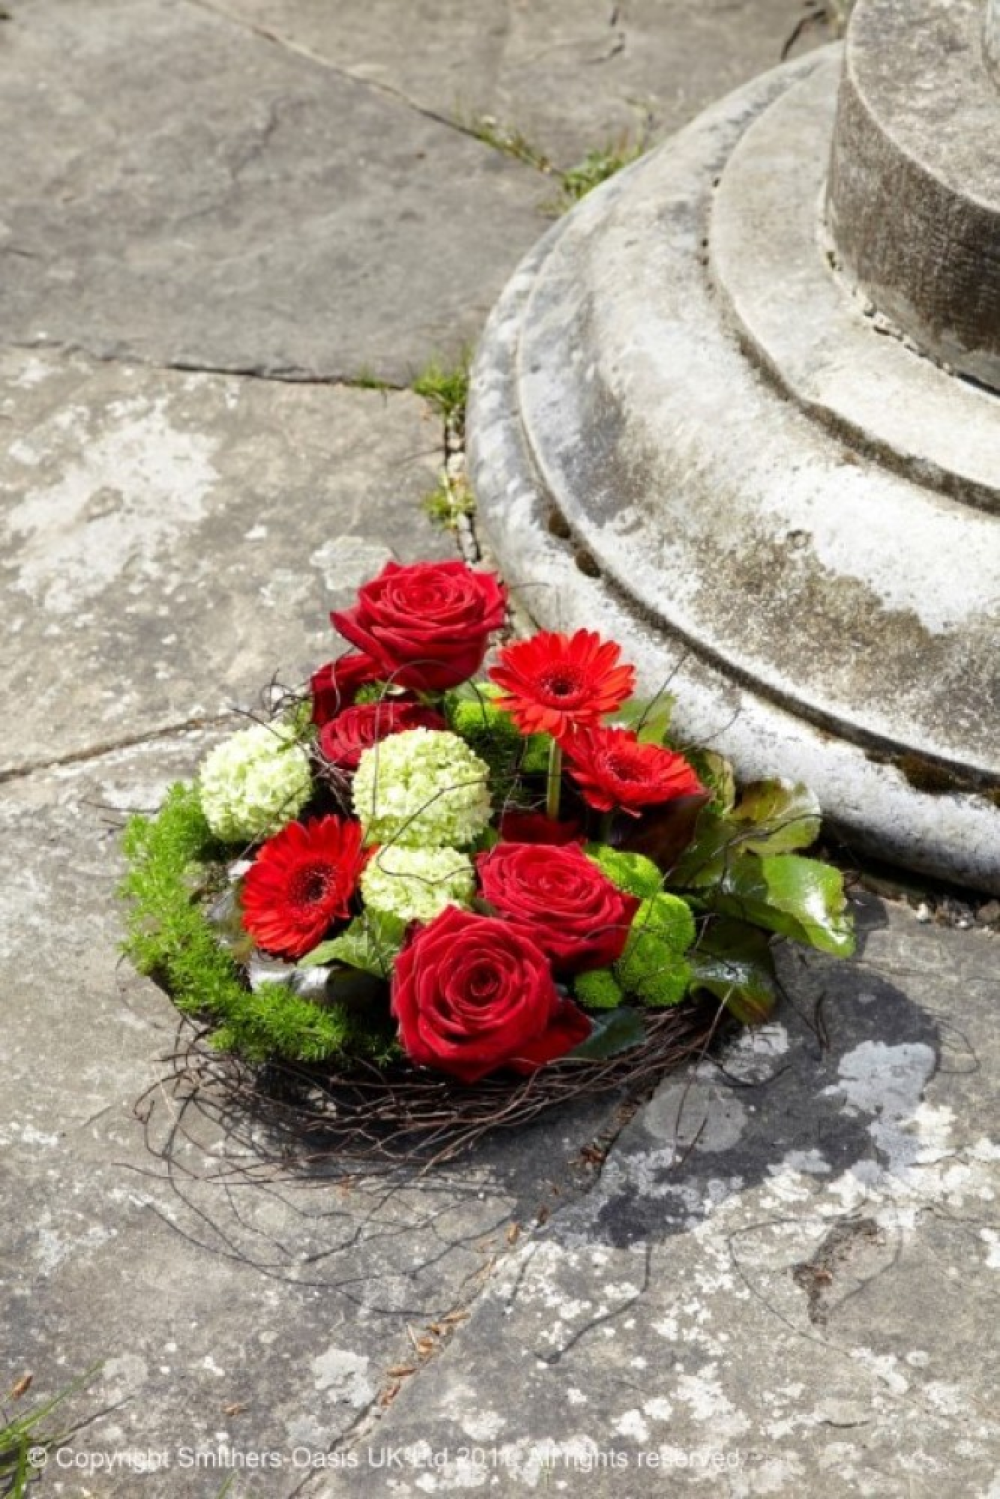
[
  {"x": 613, "y": 770},
  {"x": 427, "y": 626},
  {"x": 575, "y": 914},
  {"x": 472, "y": 994},
  {"x": 536, "y": 827},
  {"x": 344, "y": 739},
  {"x": 335, "y": 686}
]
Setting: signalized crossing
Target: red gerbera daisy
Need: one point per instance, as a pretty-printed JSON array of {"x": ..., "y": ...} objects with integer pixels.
[
  {"x": 554, "y": 684},
  {"x": 301, "y": 881},
  {"x": 614, "y": 770}
]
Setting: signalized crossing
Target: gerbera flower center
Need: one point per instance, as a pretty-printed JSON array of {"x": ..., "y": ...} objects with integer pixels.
[
  {"x": 309, "y": 884},
  {"x": 625, "y": 767},
  {"x": 561, "y": 682}
]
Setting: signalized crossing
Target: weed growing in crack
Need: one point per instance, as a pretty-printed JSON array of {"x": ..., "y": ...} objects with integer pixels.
[
  {"x": 510, "y": 141},
  {"x": 575, "y": 182},
  {"x": 596, "y": 167},
  {"x": 452, "y": 500},
  {"x": 447, "y": 390},
  {"x": 366, "y": 379},
  {"x": 25, "y": 1439},
  {"x": 451, "y": 504}
]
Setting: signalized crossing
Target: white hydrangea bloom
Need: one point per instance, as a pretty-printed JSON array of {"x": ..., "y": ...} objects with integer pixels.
[
  {"x": 417, "y": 883},
  {"x": 424, "y": 788},
  {"x": 254, "y": 783}
]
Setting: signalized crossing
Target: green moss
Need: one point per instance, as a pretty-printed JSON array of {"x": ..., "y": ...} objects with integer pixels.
[
  {"x": 493, "y": 736},
  {"x": 669, "y": 917},
  {"x": 652, "y": 965},
  {"x": 653, "y": 970},
  {"x": 170, "y": 938},
  {"x": 634, "y": 873},
  {"x": 598, "y": 989}
]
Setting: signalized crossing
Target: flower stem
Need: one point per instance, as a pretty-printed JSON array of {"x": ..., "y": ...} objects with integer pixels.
[{"x": 554, "y": 785}]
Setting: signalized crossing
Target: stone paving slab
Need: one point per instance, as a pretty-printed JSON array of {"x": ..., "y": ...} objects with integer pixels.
[
  {"x": 569, "y": 75},
  {"x": 190, "y": 193},
  {"x": 285, "y": 1293},
  {"x": 170, "y": 540},
  {"x": 784, "y": 1282}
]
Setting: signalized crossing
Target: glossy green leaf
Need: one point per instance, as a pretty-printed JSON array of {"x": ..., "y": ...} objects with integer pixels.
[
  {"x": 797, "y": 898},
  {"x": 371, "y": 942},
  {"x": 733, "y": 961},
  {"x": 614, "y": 1031},
  {"x": 782, "y": 816},
  {"x": 703, "y": 863},
  {"x": 648, "y": 718}
]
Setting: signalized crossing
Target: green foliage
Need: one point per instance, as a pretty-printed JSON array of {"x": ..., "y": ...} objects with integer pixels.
[
  {"x": 372, "y": 943},
  {"x": 798, "y": 898},
  {"x": 652, "y": 965},
  {"x": 776, "y": 817},
  {"x": 740, "y": 865},
  {"x": 480, "y": 723},
  {"x": 615, "y": 1031},
  {"x": 716, "y": 774},
  {"x": 25, "y": 1434},
  {"x": 733, "y": 961},
  {"x": 669, "y": 917},
  {"x": 632, "y": 872},
  {"x": 649, "y": 718},
  {"x": 771, "y": 817},
  {"x": 535, "y": 759},
  {"x": 494, "y": 737},
  {"x": 655, "y": 973},
  {"x": 171, "y": 938},
  {"x": 703, "y": 862},
  {"x": 598, "y": 989}
]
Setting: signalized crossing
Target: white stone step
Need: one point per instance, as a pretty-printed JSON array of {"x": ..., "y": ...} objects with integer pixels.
[
  {"x": 825, "y": 616},
  {"x": 774, "y": 267},
  {"x": 915, "y": 175}
]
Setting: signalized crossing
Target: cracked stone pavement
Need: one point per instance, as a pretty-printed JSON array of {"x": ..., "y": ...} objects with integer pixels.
[{"x": 220, "y": 221}]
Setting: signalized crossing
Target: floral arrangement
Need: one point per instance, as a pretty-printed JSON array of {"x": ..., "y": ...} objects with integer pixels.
[{"x": 421, "y": 872}]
